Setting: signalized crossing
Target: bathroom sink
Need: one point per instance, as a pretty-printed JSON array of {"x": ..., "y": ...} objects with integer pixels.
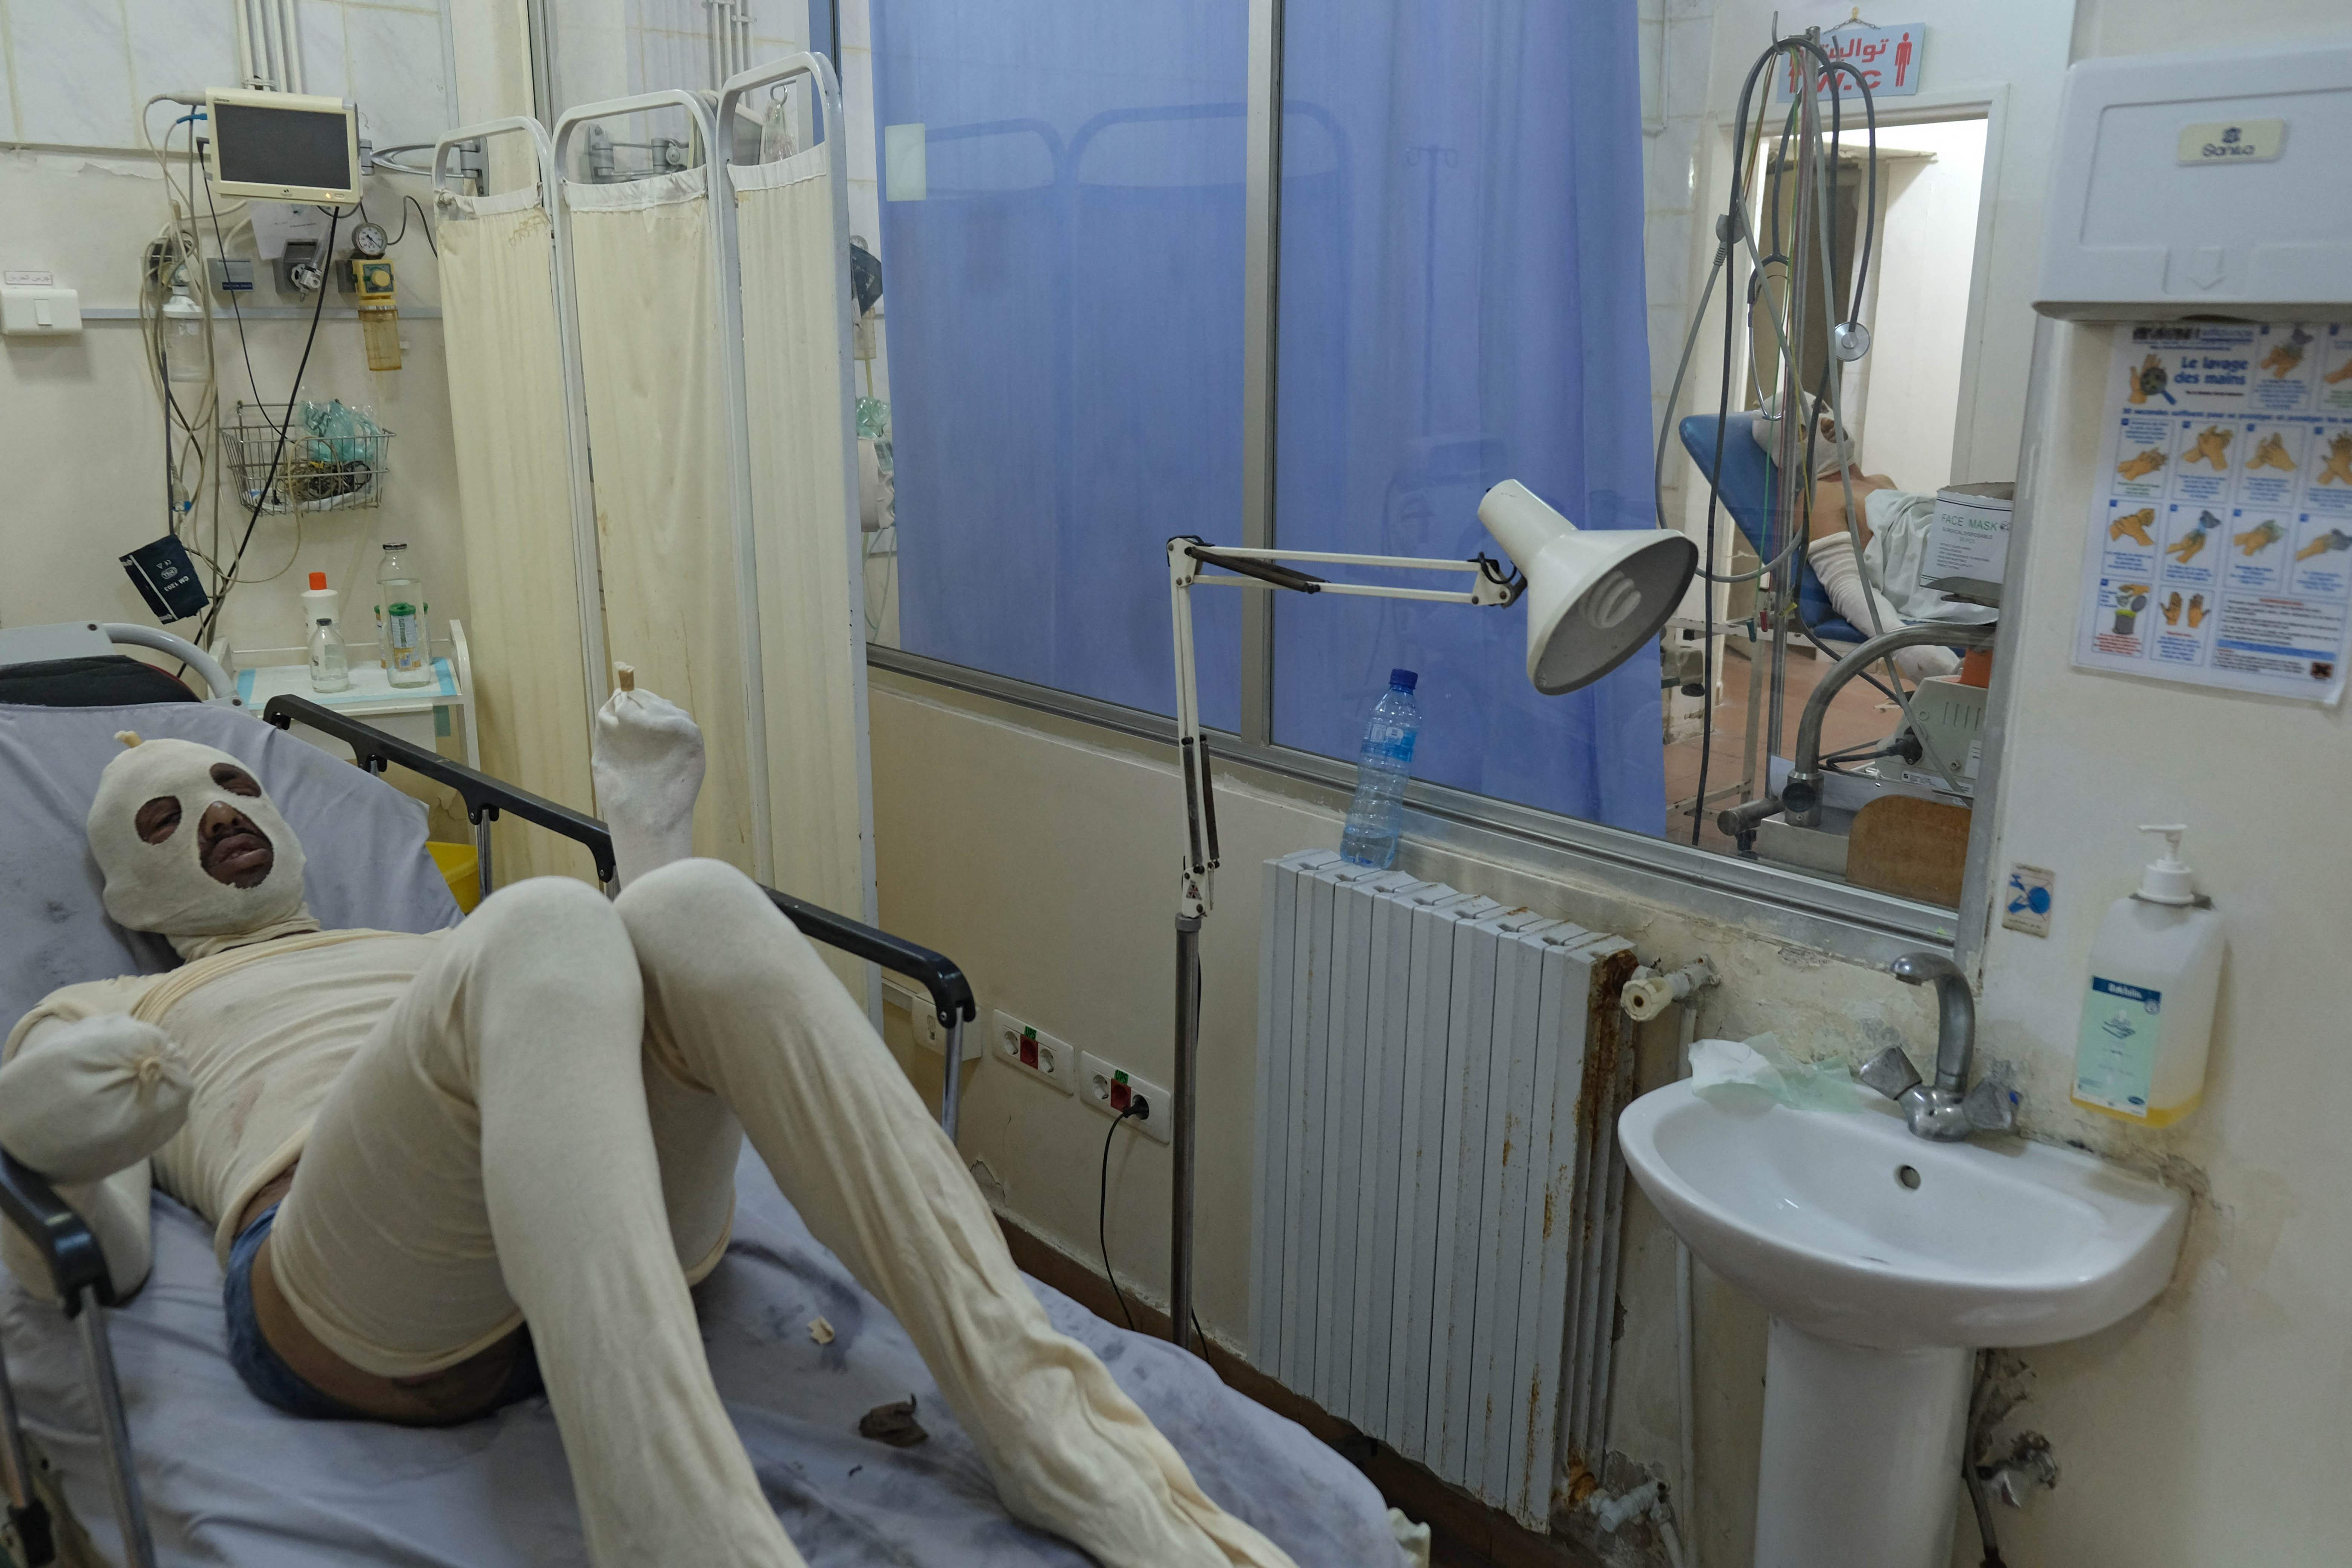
[{"x": 1850, "y": 1228}]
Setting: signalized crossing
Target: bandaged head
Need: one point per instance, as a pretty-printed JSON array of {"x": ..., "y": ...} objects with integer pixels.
[{"x": 193, "y": 850}]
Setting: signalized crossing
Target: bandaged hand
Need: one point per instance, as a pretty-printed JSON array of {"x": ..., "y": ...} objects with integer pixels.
[
  {"x": 81, "y": 1102},
  {"x": 647, "y": 760}
]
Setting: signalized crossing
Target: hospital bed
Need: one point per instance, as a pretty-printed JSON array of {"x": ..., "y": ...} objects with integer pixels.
[{"x": 127, "y": 1437}]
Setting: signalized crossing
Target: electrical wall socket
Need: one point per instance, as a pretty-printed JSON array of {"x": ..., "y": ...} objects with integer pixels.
[
  {"x": 1110, "y": 1089},
  {"x": 1035, "y": 1052},
  {"x": 922, "y": 1017}
]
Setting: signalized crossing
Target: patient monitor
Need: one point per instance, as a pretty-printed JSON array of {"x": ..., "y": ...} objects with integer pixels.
[{"x": 283, "y": 146}]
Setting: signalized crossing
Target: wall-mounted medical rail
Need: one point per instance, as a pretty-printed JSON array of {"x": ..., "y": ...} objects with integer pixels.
[{"x": 486, "y": 798}]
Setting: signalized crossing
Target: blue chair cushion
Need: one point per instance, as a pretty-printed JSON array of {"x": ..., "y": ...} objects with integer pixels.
[{"x": 1747, "y": 486}]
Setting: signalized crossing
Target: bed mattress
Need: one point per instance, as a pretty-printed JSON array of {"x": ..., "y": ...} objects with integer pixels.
[{"x": 230, "y": 1481}]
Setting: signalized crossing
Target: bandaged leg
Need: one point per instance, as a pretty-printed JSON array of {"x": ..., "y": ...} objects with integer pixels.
[
  {"x": 739, "y": 1002},
  {"x": 489, "y": 1155},
  {"x": 1832, "y": 561}
]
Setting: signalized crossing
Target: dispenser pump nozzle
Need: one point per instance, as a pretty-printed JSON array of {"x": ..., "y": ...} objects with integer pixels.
[{"x": 2168, "y": 879}]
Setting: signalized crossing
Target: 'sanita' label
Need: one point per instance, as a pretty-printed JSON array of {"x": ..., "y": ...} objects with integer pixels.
[{"x": 2115, "y": 1051}]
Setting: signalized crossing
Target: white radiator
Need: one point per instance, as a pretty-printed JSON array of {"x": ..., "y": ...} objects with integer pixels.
[{"x": 1437, "y": 1195}]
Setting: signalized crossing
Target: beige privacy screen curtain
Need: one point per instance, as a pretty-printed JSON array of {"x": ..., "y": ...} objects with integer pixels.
[
  {"x": 803, "y": 490},
  {"x": 645, "y": 291},
  {"x": 506, "y": 405}
]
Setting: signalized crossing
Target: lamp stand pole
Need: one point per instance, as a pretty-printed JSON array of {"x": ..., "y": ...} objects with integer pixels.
[{"x": 1492, "y": 584}]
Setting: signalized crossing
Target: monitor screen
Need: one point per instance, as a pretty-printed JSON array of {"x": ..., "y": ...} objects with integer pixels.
[{"x": 254, "y": 145}]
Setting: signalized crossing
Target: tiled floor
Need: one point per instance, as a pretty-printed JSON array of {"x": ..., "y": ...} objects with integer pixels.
[{"x": 1858, "y": 713}]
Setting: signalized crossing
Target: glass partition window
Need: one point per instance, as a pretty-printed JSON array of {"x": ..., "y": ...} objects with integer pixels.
[
  {"x": 1062, "y": 224},
  {"x": 1460, "y": 304}
]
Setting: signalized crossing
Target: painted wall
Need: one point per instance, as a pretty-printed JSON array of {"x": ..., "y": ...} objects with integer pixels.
[
  {"x": 1908, "y": 394},
  {"x": 1040, "y": 855},
  {"x": 80, "y": 430},
  {"x": 2209, "y": 1429}
]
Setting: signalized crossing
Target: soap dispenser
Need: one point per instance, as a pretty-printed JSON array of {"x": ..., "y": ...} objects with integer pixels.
[{"x": 2147, "y": 1015}]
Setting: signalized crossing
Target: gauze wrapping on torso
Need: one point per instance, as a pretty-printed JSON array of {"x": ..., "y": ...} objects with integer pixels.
[{"x": 262, "y": 1032}]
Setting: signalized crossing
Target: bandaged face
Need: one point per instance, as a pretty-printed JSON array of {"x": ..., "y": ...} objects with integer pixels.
[{"x": 190, "y": 847}]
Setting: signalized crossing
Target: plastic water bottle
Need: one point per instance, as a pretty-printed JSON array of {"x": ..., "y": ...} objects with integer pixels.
[
  {"x": 1378, "y": 810},
  {"x": 400, "y": 632}
]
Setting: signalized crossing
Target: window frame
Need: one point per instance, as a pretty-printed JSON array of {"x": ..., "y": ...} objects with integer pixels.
[{"x": 1760, "y": 897}]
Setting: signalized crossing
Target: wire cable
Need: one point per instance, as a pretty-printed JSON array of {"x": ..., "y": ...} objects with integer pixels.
[
  {"x": 276, "y": 455},
  {"x": 1102, "y": 1211}
]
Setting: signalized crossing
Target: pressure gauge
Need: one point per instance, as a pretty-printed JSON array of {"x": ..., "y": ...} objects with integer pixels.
[{"x": 370, "y": 241}]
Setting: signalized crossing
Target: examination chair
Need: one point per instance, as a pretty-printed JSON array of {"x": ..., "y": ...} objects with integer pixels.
[
  {"x": 233, "y": 1481},
  {"x": 1749, "y": 486}
]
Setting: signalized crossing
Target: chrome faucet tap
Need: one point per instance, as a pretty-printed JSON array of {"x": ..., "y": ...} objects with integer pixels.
[{"x": 1947, "y": 1111}]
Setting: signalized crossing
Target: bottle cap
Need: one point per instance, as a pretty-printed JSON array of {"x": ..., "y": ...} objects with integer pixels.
[
  {"x": 1403, "y": 679},
  {"x": 2168, "y": 879},
  {"x": 403, "y": 544},
  {"x": 317, "y": 581}
]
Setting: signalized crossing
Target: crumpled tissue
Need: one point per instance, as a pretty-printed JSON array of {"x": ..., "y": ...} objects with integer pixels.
[{"x": 1737, "y": 1072}]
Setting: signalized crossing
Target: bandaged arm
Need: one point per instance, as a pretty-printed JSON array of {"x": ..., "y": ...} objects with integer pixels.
[
  {"x": 1853, "y": 597},
  {"x": 84, "y": 1104}
]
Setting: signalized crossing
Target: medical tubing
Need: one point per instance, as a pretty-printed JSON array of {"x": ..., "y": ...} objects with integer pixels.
[
  {"x": 1832, "y": 386},
  {"x": 261, "y": 497},
  {"x": 1735, "y": 230},
  {"x": 1102, "y": 1210}
]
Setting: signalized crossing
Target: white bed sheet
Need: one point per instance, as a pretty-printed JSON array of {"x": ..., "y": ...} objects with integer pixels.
[{"x": 231, "y": 1481}]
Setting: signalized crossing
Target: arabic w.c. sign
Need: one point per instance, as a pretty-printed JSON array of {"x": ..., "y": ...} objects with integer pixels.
[{"x": 1888, "y": 58}]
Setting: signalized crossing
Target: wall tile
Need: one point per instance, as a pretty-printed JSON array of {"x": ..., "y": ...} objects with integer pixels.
[
  {"x": 1689, "y": 45},
  {"x": 326, "y": 70},
  {"x": 1666, "y": 167},
  {"x": 857, "y": 109},
  {"x": 177, "y": 47},
  {"x": 8, "y": 100},
  {"x": 397, "y": 72},
  {"x": 856, "y": 25},
  {"x": 865, "y": 213},
  {"x": 1666, "y": 256},
  {"x": 1649, "y": 39},
  {"x": 73, "y": 77}
]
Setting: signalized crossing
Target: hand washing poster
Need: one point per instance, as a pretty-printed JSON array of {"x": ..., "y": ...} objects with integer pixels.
[{"x": 2219, "y": 551}]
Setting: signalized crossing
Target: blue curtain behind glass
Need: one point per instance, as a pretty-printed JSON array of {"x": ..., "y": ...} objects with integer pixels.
[
  {"x": 1462, "y": 302},
  {"x": 1065, "y": 330}
]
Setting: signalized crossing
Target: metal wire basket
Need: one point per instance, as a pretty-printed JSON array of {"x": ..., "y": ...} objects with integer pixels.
[{"x": 329, "y": 464}]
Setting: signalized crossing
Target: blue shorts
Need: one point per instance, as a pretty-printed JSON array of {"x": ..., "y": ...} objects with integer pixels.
[{"x": 275, "y": 1383}]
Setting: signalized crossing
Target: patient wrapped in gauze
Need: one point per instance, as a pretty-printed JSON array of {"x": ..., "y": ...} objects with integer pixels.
[{"x": 81, "y": 1102}]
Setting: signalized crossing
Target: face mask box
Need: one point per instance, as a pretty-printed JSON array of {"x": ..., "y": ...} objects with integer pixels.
[{"x": 1967, "y": 541}]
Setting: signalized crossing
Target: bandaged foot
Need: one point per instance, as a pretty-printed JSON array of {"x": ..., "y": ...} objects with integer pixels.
[
  {"x": 1832, "y": 561},
  {"x": 648, "y": 763}
]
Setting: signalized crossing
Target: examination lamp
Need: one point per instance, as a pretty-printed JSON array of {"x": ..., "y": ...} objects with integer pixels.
[{"x": 1593, "y": 600}]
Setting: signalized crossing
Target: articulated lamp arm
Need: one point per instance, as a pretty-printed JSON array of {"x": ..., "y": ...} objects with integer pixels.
[{"x": 1492, "y": 584}]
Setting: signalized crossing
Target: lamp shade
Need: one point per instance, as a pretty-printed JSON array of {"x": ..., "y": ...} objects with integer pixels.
[{"x": 1593, "y": 598}]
